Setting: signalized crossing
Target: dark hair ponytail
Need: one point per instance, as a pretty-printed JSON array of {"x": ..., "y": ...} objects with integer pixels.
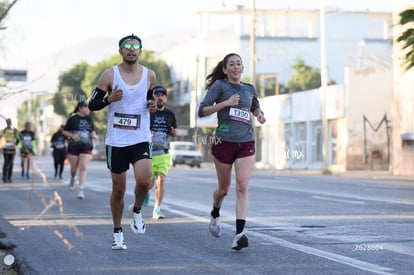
[
  {"x": 75, "y": 110},
  {"x": 217, "y": 72},
  {"x": 80, "y": 104}
]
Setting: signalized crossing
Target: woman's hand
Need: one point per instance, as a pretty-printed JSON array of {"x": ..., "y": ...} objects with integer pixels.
[
  {"x": 260, "y": 118},
  {"x": 75, "y": 137},
  {"x": 233, "y": 100}
]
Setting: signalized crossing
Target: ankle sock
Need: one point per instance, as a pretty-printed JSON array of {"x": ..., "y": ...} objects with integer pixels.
[
  {"x": 215, "y": 212},
  {"x": 137, "y": 210},
  {"x": 240, "y": 226}
]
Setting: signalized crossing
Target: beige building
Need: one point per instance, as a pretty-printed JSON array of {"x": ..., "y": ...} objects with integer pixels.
[{"x": 358, "y": 118}]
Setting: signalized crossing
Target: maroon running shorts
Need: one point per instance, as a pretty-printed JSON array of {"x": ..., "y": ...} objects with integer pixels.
[{"x": 228, "y": 152}]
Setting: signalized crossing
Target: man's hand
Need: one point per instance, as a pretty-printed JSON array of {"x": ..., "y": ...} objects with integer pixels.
[
  {"x": 152, "y": 107},
  {"x": 173, "y": 132},
  {"x": 116, "y": 95}
]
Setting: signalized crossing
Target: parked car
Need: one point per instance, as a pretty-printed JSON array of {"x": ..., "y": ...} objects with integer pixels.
[{"x": 185, "y": 152}]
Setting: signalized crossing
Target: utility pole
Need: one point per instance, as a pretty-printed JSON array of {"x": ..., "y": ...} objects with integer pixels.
[
  {"x": 253, "y": 45},
  {"x": 324, "y": 81}
]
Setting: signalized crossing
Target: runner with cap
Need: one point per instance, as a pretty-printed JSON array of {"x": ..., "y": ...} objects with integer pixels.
[
  {"x": 80, "y": 131},
  {"x": 163, "y": 125}
]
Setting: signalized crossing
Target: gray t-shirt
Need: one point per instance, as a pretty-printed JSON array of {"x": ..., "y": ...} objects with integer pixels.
[{"x": 234, "y": 122}]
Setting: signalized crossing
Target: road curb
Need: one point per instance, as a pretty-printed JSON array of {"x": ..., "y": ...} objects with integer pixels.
[{"x": 7, "y": 246}]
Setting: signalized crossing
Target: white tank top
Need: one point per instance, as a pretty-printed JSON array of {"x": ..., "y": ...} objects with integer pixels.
[{"x": 129, "y": 118}]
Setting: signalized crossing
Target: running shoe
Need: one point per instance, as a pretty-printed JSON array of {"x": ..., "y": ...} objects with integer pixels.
[
  {"x": 118, "y": 241},
  {"x": 137, "y": 223},
  {"x": 156, "y": 214},
  {"x": 72, "y": 184},
  {"x": 81, "y": 194},
  {"x": 240, "y": 241},
  {"x": 215, "y": 228},
  {"x": 146, "y": 201}
]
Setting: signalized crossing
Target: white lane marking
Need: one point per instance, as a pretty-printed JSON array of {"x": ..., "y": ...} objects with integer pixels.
[
  {"x": 337, "y": 200},
  {"x": 168, "y": 205},
  {"x": 332, "y": 194},
  {"x": 377, "y": 269}
]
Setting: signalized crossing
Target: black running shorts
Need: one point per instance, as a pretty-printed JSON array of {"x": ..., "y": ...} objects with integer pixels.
[{"x": 119, "y": 158}]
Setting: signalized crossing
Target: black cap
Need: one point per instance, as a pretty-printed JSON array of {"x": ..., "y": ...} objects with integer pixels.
[
  {"x": 82, "y": 104},
  {"x": 159, "y": 89}
]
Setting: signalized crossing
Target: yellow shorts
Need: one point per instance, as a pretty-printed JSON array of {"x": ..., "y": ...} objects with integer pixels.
[{"x": 161, "y": 164}]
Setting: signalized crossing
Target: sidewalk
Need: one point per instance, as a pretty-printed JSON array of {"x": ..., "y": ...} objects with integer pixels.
[{"x": 366, "y": 174}]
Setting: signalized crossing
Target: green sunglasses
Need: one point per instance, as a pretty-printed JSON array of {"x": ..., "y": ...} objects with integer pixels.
[{"x": 130, "y": 46}]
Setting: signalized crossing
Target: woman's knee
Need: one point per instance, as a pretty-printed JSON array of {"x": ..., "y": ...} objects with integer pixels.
[
  {"x": 223, "y": 191},
  {"x": 242, "y": 187}
]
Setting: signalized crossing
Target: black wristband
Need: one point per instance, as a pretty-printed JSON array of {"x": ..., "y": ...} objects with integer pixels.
[{"x": 98, "y": 101}]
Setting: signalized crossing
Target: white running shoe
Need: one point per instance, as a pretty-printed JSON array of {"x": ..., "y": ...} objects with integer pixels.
[
  {"x": 81, "y": 194},
  {"x": 118, "y": 241},
  {"x": 137, "y": 223},
  {"x": 156, "y": 214},
  {"x": 240, "y": 241},
  {"x": 214, "y": 226},
  {"x": 72, "y": 184}
]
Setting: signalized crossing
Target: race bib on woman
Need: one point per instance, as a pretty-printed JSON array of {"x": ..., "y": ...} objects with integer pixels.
[{"x": 239, "y": 115}]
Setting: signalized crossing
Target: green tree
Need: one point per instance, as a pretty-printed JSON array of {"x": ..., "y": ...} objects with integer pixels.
[
  {"x": 305, "y": 78},
  {"x": 78, "y": 83},
  {"x": 159, "y": 66},
  {"x": 407, "y": 37},
  {"x": 26, "y": 113},
  {"x": 89, "y": 83},
  {"x": 69, "y": 90}
]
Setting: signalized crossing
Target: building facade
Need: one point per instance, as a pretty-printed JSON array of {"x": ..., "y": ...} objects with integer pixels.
[
  {"x": 359, "y": 60},
  {"x": 359, "y": 132}
]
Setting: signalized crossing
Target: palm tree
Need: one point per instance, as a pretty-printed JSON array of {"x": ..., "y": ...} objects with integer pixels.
[
  {"x": 4, "y": 10},
  {"x": 407, "y": 37}
]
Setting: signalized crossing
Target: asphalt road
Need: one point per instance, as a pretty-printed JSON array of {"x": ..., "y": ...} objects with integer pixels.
[{"x": 297, "y": 224}]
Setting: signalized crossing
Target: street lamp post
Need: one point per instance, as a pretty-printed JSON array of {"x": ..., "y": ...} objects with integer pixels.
[
  {"x": 324, "y": 81},
  {"x": 253, "y": 45}
]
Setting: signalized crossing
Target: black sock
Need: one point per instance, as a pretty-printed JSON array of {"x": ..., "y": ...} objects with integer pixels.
[
  {"x": 118, "y": 229},
  {"x": 240, "y": 226},
  {"x": 137, "y": 210},
  {"x": 215, "y": 212}
]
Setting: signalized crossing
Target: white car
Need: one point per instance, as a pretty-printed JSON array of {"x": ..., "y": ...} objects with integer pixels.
[{"x": 185, "y": 152}]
